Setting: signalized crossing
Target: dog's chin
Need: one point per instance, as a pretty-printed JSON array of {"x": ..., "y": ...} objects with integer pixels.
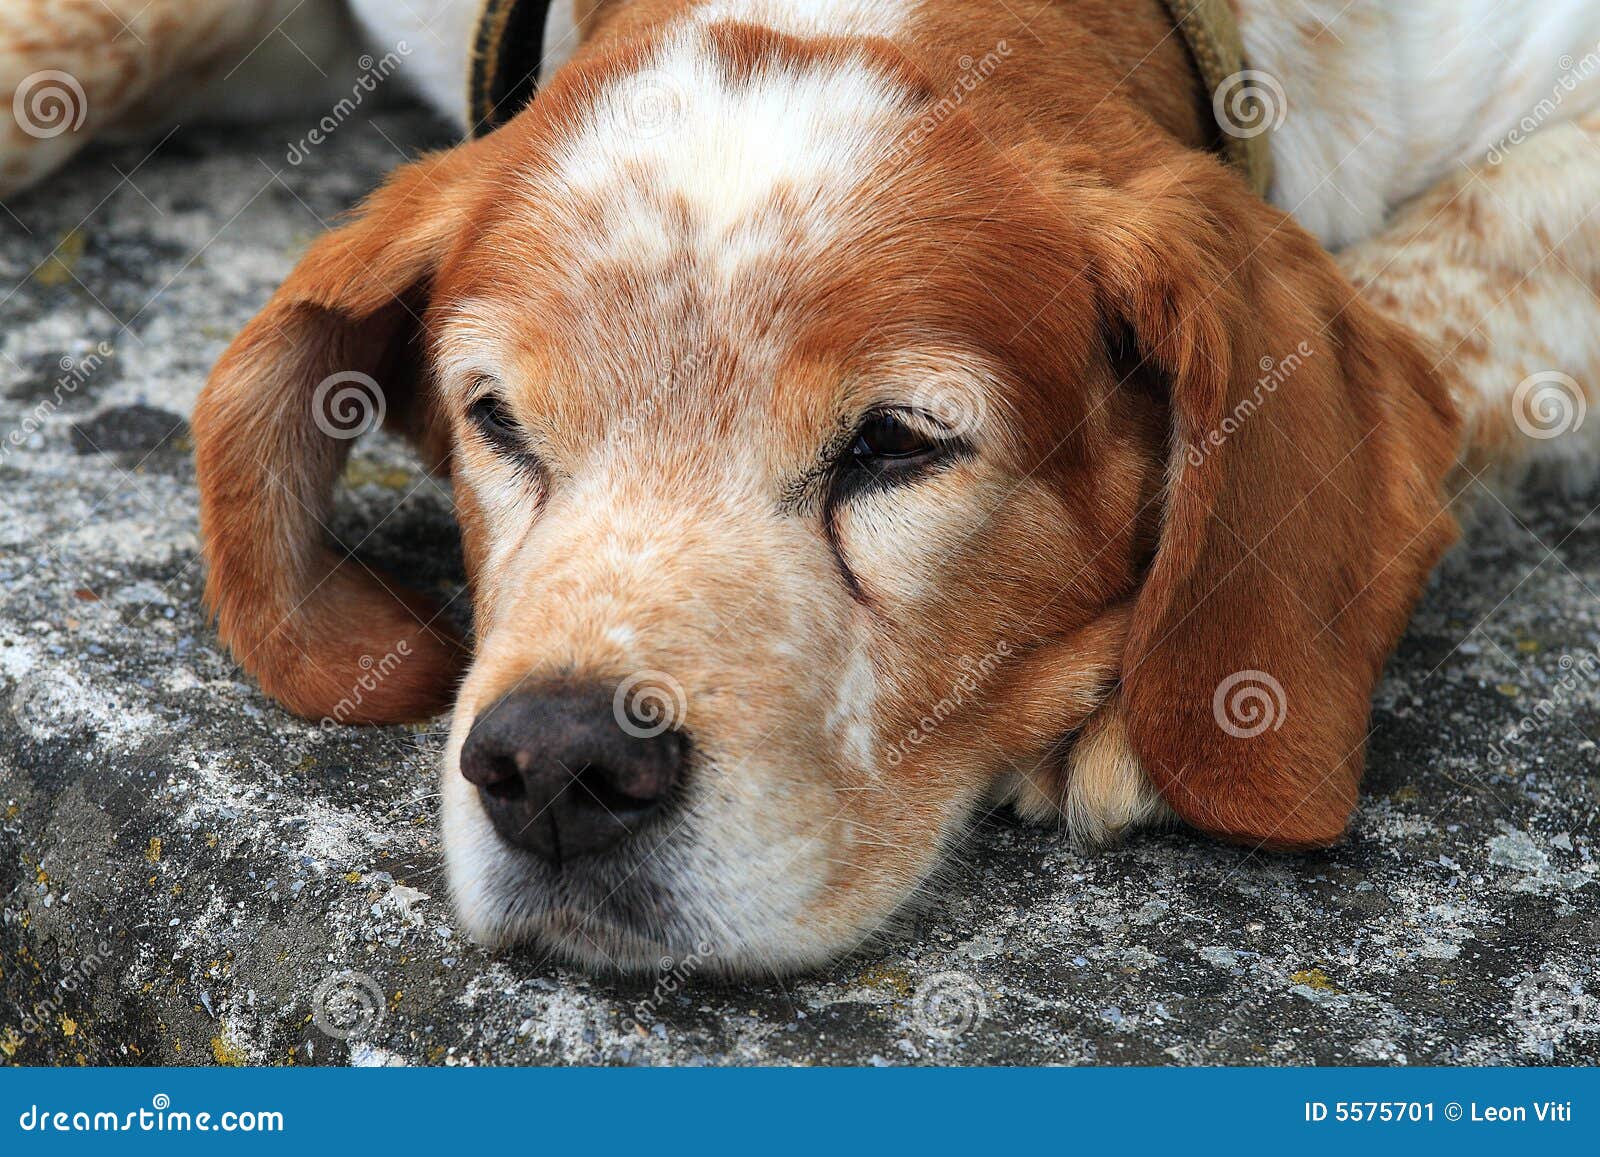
[
  {"x": 669, "y": 902},
  {"x": 578, "y": 937}
]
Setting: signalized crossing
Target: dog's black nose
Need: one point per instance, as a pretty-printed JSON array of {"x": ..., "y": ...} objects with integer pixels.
[{"x": 566, "y": 772}]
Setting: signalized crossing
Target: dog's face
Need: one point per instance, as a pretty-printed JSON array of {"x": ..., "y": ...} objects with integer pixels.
[
  {"x": 753, "y": 442},
  {"x": 825, "y": 470}
]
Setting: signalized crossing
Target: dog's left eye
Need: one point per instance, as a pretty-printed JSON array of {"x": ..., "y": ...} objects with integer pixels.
[
  {"x": 494, "y": 420},
  {"x": 885, "y": 438},
  {"x": 889, "y": 450}
]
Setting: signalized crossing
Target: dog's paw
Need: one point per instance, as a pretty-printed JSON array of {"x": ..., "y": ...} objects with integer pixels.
[{"x": 1097, "y": 789}]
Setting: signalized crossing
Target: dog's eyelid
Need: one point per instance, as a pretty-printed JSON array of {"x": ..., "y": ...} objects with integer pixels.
[
  {"x": 491, "y": 416},
  {"x": 930, "y": 425}
]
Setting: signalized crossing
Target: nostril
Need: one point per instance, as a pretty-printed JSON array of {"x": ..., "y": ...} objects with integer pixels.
[
  {"x": 504, "y": 779},
  {"x": 494, "y": 769},
  {"x": 642, "y": 780},
  {"x": 618, "y": 793}
]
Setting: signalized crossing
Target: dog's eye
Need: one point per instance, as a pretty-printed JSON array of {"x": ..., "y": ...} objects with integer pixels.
[
  {"x": 890, "y": 449},
  {"x": 494, "y": 421},
  {"x": 885, "y": 439}
]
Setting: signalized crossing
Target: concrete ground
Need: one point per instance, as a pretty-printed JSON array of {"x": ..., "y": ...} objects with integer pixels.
[{"x": 189, "y": 875}]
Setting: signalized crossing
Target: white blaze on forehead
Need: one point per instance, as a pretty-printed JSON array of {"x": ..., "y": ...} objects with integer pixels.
[{"x": 680, "y": 134}]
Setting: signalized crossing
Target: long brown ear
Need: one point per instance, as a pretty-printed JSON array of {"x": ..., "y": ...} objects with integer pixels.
[
  {"x": 1310, "y": 441},
  {"x": 329, "y": 356}
]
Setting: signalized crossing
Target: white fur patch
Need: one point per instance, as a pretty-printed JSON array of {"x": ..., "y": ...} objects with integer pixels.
[
  {"x": 1385, "y": 100},
  {"x": 680, "y": 132}
]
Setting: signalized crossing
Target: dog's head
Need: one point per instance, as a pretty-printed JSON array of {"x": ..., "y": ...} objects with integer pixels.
[{"x": 829, "y": 464}]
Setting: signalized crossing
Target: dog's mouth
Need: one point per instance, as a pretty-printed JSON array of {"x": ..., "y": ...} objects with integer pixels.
[
  {"x": 709, "y": 880},
  {"x": 617, "y": 912}
]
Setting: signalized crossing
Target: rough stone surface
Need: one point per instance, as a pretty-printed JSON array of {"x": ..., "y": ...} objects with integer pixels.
[{"x": 188, "y": 873}]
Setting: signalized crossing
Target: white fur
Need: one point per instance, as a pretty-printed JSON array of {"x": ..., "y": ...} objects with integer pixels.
[
  {"x": 1397, "y": 93},
  {"x": 440, "y": 34},
  {"x": 724, "y": 150}
]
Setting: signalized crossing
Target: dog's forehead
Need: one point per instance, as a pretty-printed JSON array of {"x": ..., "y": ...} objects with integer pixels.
[
  {"x": 698, "y": 210},
  {"x": 720, "y": 152},
  {"x": 721, "y": 116}
]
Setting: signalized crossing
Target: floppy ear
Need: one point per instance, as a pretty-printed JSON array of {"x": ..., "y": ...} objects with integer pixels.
[
  {"x": 1310, "y": 440},
  {"x": 332, "y": 353}
]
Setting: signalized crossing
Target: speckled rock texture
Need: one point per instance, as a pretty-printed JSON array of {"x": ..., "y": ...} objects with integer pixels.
[{"x": 191, "y": 876}]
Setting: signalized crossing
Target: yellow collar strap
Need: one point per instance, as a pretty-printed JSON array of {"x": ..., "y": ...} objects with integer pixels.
[
  {"x": 1247, "y": 104},
  {"x": 506, "y": 54}
]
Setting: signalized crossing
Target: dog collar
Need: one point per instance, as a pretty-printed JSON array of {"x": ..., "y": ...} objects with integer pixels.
[
  {"x": 506, "y": 54},
  {"x": 1244, "y": 102},
  {"x": 509, "y": 48}
]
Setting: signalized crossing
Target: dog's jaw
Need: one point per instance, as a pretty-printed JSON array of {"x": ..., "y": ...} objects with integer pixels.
[{"x": 679, "y": 893}]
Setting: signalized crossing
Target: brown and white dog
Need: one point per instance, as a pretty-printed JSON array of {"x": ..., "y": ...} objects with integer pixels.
[{"x": 863, "y": 412}]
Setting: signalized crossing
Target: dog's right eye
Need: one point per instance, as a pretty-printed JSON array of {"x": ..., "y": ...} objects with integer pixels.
[{"x": 494, "y": 420}]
